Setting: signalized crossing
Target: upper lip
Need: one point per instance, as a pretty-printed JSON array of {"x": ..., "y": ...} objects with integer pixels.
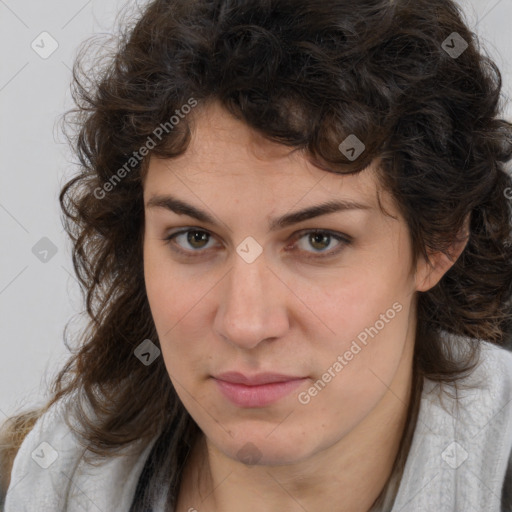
[{"x": 254, "y": 380}]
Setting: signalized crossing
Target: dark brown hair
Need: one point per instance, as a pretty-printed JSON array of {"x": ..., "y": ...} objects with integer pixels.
[{"x": 307, "y": 74}]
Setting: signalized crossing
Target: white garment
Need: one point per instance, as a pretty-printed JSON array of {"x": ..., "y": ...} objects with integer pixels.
[{"x": 439, "y": 476}]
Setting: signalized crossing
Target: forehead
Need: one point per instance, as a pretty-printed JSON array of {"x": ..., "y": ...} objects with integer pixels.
[{"x": 227, "y": 156}]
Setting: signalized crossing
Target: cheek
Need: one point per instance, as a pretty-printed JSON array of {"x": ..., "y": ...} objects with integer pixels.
[
  {"x": 368, "y": 319},
  {"x": 178, "y": 303},
  {"x": 358, "y": 365},
  {"x": 354, "y": 302},
  {"x": 172, "y": 290}
]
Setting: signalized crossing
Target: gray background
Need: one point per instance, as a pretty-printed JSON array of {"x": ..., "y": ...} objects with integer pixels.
[{"x": 38, "y": 298}]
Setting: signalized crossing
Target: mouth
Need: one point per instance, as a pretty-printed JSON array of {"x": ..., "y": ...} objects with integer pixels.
[{"x": 257, "y": 390}]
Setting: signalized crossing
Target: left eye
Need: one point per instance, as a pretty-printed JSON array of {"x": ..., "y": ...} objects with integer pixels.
[
  {"x": 318, "y": 239},
  {"x": 322, "y": 239}
]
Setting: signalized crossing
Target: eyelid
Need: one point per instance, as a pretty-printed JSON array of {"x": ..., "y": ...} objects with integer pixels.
[{"x": 342, "y": 238}]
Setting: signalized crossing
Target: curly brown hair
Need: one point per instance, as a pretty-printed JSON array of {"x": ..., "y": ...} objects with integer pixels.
[{"x": 306, "y": 74}]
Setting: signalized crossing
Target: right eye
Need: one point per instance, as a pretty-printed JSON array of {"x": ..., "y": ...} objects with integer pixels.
[{"x": 195, "y": 237}]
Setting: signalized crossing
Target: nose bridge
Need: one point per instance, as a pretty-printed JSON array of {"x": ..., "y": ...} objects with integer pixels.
[{"x": 250, "y": 310}]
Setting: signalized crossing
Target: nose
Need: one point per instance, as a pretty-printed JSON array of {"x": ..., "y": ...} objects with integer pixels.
[{"x": 252, "y": 305}]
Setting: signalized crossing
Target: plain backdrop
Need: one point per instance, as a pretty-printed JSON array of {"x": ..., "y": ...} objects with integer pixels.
[{"x": 39, "y": 293}]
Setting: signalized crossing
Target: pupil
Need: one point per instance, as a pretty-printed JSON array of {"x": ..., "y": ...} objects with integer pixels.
[
  {"x": 196, "y": 236},
  {"x": 319, "y": 236}
]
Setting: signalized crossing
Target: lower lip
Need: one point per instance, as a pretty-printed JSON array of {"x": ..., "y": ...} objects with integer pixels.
[{"x": 257, "y": 396}]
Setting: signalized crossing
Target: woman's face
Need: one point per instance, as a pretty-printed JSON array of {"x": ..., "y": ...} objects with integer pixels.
[{"x": 237, "y": 295}]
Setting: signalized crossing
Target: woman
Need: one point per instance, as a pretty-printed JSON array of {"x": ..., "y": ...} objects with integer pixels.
[{"x": 293, "y": 227}]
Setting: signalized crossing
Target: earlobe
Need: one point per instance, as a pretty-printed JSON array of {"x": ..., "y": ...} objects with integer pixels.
[{"x": 428, "y": 274}]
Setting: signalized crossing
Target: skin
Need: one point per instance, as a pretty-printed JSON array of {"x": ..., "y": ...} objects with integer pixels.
[{"x": 282, "y": 313}]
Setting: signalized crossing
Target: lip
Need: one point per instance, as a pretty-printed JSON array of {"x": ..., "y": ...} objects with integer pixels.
[
  {"x": 256, "y": 380},
  {"x": 258, "y": 390}
]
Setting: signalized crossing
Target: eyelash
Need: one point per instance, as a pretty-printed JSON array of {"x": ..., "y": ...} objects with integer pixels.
[{"x": 344, "y": 240}]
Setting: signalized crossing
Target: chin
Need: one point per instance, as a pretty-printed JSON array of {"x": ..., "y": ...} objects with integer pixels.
[{"x": 261, "y": 449}]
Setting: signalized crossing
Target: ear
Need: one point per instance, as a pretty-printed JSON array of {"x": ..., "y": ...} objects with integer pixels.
[{"x": 429, "y": 274}]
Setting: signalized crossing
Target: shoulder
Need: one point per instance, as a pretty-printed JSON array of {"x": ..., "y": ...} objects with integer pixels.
[
  {"x": 490, "y": 379},
  {"x": 494, "y": 371},
  {"x": 483, "y": 397},
  {"x": 463, "y": 438},
  {"x": 497, "y": 354},
  {"x": 50, "y": 472},
  {"x": 484, "y": 413},
  {"x": 497, "y": 365},
  {"x": 478, "y": 395},
  {"x": 48, "y": 451},
  {"x": 13, "y": 431},
  {"x": 500, "y": 360}
]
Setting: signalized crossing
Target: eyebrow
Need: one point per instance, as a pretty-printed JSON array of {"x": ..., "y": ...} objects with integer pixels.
[{"x": 180, "y": 207}]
